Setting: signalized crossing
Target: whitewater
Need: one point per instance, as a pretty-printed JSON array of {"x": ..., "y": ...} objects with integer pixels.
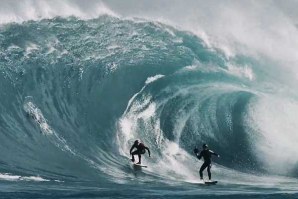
[{"x": 81, "y": 81}]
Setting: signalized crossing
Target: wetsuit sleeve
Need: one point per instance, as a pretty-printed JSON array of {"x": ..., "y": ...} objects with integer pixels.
[
  {"x": 133, "y": 146},
  {"x": 148, "y": 150},
  {"x": 213, "y": 153}
]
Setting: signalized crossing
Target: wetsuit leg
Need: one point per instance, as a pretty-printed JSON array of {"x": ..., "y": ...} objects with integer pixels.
[
  {"x": 203, "y": 167},
  {"x": 209, "y": 171},
  {"x": 140, "y": 157},
  {"x": 133, "y": 155}
]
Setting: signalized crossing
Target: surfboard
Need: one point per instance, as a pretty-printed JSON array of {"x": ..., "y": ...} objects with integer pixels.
[
  {"x": 139, "y": 165},
  {"x": 210, "y": 182},
  {"x": 205, "y": 183}
]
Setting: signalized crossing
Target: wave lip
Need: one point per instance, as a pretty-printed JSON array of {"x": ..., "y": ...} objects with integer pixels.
[
  {"x": 16, "y": 11},
  {"x": 97, "y": 85}
]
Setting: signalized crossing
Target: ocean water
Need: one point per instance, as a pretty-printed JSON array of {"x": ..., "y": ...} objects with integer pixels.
[{"x": 80, "y": 81}]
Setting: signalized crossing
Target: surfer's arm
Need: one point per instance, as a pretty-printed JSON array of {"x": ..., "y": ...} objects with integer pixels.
[
  {"x": 148, "y": 150},
  {"x": 133, "y": 146},
  {"x": 213, "y": 153},
  {"x": 199, "y": 156}
]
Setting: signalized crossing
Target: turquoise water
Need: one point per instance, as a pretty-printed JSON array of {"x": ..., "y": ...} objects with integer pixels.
[{"x": 76, "y": 93}]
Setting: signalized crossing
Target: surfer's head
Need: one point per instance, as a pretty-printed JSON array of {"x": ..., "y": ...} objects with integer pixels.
[
  {"x": 205, "y": 146},
  {"x": 137, "y": 142}
]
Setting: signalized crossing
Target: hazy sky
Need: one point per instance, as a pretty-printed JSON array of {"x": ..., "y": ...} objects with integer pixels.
[{"x": 159, "y": 8}]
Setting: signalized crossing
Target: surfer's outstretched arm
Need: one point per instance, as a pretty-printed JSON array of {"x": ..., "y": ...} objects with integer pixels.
[
  {"x": 148, "y": 150},
  {"x": 213, "y": 153}
]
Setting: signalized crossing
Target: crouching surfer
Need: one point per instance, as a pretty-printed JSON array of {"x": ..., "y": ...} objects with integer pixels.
[
  {"x": 141, "y": 149},
  {"x": 206, "y": 154}
]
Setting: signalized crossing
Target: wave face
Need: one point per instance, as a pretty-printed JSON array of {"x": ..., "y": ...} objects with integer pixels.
[{"x": 76, "y": 94}]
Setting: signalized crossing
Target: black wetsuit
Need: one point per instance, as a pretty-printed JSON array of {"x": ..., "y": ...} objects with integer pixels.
[
  {"x": 206, "y": 154},
  {"x": 141, "y": 149}
]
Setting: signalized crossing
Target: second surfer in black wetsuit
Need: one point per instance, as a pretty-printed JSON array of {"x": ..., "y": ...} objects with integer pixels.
[
  {"x": 206, "y": 154},
  {"x": 141, "y": 149}
]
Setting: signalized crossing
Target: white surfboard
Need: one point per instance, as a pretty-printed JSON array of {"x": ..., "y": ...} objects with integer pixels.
[
  {"x": 210, "y": 182},
  {"x": 139, "y": 165},
  {"x": 205, "y": 182}
]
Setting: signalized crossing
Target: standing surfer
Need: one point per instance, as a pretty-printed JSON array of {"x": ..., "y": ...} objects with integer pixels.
[
  {"x": 206, "y": 154},
  {"x": 141, "y": 149}
]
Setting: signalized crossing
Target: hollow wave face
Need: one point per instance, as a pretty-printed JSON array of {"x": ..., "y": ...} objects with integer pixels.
[{"x": 77, "y": 93}]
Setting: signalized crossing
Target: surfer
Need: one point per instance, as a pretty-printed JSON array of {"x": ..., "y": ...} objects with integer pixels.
[
  {"x": 206, "y": 154},
  {"x": 141, "y": 149}
]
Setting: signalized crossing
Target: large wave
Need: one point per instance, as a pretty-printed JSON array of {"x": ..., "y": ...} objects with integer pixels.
[{"x": 77, "y": 92}]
